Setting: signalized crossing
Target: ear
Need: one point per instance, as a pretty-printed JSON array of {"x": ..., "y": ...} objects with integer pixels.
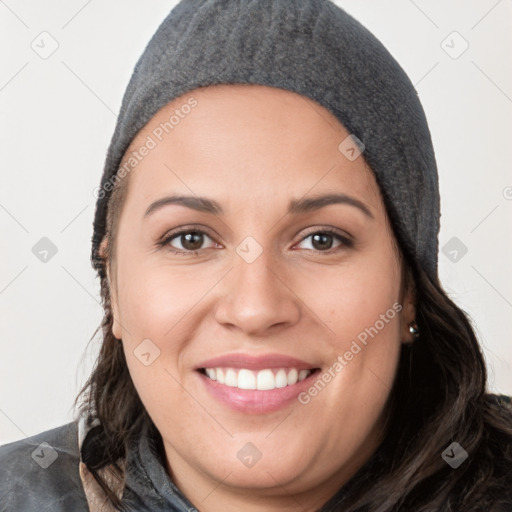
[
  {"x": 409, "y": 309},
  {"x": 116, "y": 326}
]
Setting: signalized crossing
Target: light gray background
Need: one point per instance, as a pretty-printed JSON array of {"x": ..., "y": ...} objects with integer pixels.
[{"x": 58, "y": 117}]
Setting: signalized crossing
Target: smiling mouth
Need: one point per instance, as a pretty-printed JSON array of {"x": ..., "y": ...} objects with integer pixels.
[{"x": 261, "y": 380}]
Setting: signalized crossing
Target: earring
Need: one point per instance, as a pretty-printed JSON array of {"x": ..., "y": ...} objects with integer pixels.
[{"x": 413, "y": 329}]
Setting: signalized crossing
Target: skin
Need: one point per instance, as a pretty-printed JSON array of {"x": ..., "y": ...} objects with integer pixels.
[{"x": 253, "y": 149}]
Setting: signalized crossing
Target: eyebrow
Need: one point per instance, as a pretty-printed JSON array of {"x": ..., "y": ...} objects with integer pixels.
[{"x": 296, "y": 206}]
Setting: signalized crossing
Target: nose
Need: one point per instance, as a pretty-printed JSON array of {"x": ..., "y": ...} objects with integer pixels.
[{"x": 257, "y": 297}]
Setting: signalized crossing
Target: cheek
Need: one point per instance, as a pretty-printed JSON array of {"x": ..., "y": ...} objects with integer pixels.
[
  {"x": 353, "y": 299},
  {"x": 154, "y": 300},
  {"x": 158, "y": 308},
  {"x": 360, "y": 317},
  {"x": 153, "y": 306}
]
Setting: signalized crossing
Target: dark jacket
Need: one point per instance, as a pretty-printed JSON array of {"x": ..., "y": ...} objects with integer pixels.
[
  {"x": 45, "y": 473},
  {"x": 41, "y": 473}
]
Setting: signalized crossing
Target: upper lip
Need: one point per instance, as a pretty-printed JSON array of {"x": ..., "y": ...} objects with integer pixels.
[{"x": 250, "y": 362}]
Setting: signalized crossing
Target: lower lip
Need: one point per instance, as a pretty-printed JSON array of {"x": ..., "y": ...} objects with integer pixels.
[{"x": 253, "y": 401}]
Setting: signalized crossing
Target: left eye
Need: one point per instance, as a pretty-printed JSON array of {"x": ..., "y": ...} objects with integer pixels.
[{"x": 322, "y": 241}]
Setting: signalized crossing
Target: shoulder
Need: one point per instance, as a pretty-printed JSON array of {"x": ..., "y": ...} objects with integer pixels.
[{"x": 41, "y": 472}]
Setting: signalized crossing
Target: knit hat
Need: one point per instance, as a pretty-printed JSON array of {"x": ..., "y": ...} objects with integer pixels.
[{"x": 313, "y": 48}]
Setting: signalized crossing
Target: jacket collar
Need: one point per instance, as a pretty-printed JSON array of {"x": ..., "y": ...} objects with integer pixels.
[{"x": 143, "y": 485}]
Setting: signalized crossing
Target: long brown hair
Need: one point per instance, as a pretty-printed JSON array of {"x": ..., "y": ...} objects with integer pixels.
[{"x": 439, "y": 396}]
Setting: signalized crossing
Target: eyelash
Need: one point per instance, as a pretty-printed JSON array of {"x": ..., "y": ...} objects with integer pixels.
[{"x": 345, "y": 241}]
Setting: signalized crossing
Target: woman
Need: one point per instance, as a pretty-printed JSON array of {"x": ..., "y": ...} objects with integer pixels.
[{"x": 275, "y": 334}]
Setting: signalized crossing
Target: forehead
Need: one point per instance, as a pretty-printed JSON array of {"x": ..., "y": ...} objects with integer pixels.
[{"x": 254, "y": 139}]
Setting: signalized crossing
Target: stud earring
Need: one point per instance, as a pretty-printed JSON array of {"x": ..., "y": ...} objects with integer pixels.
[{"x": 413, "y": 329}]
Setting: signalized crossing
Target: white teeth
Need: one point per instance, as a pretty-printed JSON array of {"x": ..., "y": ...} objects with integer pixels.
[
  {"x": 265, "y": 380},
  {"x": 281, "y": 379},
  {"x": 231, "y": 379},
  {"x": 246, "y": 379},
  {"x": 303, "y": 374},
  {"x": 293, "y": 377},
  {"x": 262, "y": 380}
]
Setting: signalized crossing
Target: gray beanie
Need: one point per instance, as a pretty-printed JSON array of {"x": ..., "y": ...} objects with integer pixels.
[{"x": 313, "y": 48}]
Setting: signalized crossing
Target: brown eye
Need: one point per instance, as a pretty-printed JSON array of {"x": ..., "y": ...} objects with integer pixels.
[
  {"x": 322, "y": 241},
  {"x": 185, "y": 241},
  {"x": 191, "y": 241},
  {"x": 327, "y": 240}
]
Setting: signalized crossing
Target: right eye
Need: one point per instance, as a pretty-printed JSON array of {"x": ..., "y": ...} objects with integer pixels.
[{"x": 188, "y": 241}]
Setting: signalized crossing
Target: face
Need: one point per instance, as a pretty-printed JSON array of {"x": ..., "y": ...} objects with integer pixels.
[{"x": 262, "y": 324}]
